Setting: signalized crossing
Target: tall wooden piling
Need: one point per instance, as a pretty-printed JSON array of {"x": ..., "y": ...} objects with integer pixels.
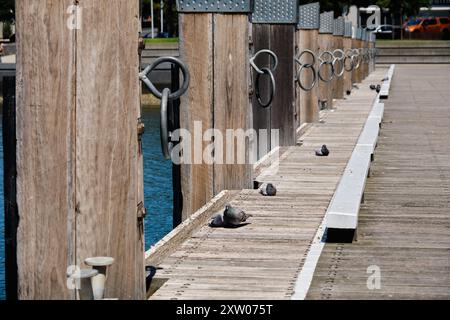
[
  {"x": 325, "y": 43},
  {"x": 347, "y": 46},
  {"x": 278, "y": 38},
  {"x": 338, "y": 81},
  {"x": 79, "y": 187},
  {"x": 356, "y": 44},
  {"x": 307, "y": 35},
  {"x": 214, "y": 45}
]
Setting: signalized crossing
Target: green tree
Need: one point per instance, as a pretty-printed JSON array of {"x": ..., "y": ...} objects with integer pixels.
[{"x": 404, "y": 7}]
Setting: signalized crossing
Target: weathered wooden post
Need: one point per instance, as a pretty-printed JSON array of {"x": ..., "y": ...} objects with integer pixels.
[
  {"x": 307, "y": 49},
  {"x": 365, "y": 61},
  {"x": 79, "y": 190},
  {"x": 214, "y": 43},
  {"x": 325, "y": 59},
  {"x": 339, "y": 56},
  {"x": 348, "y": 64},
  {"x": 356, "y": 44},
  {"x": 273, "y": 28},
  {"x": 372, "y": 48}
]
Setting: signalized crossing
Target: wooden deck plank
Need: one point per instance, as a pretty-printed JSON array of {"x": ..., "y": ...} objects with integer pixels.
[
  {"x": 243, "y": 263},
  {"x": 404, "y": 222}
]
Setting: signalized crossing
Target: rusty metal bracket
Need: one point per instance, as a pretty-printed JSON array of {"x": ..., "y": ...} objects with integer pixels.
[
  {"x": 339, "y": 26},
  {"x": 279, "y": 12},
  {"x": 348, "y": 29},
  {"x": 327, "y": 22},
  {"x": 309, "y": 16},
  {"x": 219, "y": 6}
]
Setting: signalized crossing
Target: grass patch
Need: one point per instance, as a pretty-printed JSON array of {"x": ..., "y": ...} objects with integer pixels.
[{"x": 160, "y": 40}]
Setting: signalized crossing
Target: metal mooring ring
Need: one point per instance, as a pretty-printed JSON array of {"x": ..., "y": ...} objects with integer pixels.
[
  {"x": 339, "y": 56},
  {"x": 166, "y": 145},
  {"x": 306, "y": 66},
  {"x": 268, "y": 72},
  {"x": 327, "y": 62},
  {"x": 271, "y": 54},
  {"x": 356, "y": 57},
  {"x": 348, "y": 57},
  {"x": 173, "y": 96}
]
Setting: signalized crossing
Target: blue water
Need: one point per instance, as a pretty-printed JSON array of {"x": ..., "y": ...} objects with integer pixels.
[{"x": 157, "y": 189}]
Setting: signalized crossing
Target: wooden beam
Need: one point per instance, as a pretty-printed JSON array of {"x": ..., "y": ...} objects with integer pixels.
[
  {"x": 45, "y": 148},
  {"x": 307, "y": 107},
  {"x": 79, "y": 167},
  {"x": 325, "y": 89},
  {"x": 196, "y": 50}
]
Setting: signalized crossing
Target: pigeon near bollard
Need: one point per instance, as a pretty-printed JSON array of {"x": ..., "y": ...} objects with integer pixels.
[
  {"x": 268, "y": 190},
  {"x": 323, "y": 152},
  {"x": 234, "y": 216},
  {"x": 373, "y": 87}
]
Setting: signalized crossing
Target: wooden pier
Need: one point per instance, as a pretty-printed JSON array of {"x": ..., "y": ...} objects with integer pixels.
[
  {"x": 405, "y": 220},
  {"x": 263, "y": 259},
  {"x": 370, "y": 220}
]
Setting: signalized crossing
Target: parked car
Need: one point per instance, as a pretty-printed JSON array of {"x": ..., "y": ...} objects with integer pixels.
[
  {"x": 430, "y": 25},
  {"x": 386, "y": 29}
]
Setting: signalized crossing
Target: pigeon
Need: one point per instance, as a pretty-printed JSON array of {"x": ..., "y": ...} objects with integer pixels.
[
  {"x": 378, "y": 88},
  {"x": 323, "y": 152},
  {"x": 348, "y": 92},
  {"x": 373, "y": 87},
  {"x": 268, "y": 190},
  {"x": 217, "y": 221},
  {"x": 385, "y": 79},
  {"x": 234, "y": 216}
]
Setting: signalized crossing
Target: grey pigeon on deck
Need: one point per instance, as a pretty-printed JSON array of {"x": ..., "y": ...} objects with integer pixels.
[
  {"x": 234, "y": 216},
  {"x": 378, "y": 88},
  {"x": 217, "y": 221},
  {"x": 385, "y": 79},
  {"x": 373, "y": 87},
  {"x": 323, "y": 152},
  {"x": 268, "y": 190}
]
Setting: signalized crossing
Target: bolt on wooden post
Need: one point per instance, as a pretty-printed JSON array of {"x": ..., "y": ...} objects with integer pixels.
[
  {"x": 78, "y": 183},
  {"x": 273, "y": 28},
  {"x": 214, "y": 45},
  {"x": 306, "y": 38}
]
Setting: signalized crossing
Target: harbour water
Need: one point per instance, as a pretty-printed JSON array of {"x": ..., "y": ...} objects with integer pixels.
[{"x": 157, "y": 188}]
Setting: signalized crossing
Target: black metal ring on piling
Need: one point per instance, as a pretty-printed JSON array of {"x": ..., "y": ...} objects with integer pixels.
[
  {"x": 340, "y": 59},
  {"x": 327, "y": 62},
  {"x": 265, "y": 71},
  {"x": 304, "y": 66},
  {"x": 166, "y": 97},
  {"x": 268, "y": 72},
  {"x": 173, "y": 96}
]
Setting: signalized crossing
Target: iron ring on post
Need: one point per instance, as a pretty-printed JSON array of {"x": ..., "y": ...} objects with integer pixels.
[
  {"x": 327, "y": 62},
  {"x": 270, "y": 53},
  {"x": 268, "y": 72},
  {"x": 341, "y": 60},
  {"x": 348, "y": 57},
  {"x": 173, "y": 96},
  {"x": 306, "y": 66},
  {"x": 356, "y": 57},
  {"x": 166, "y": 145}
]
